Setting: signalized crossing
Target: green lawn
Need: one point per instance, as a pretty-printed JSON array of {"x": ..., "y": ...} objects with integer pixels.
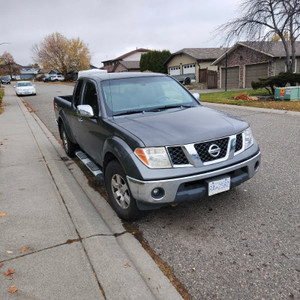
[
  {"x": 1, "y": 98},
  {"x": 227, "y": 98}
]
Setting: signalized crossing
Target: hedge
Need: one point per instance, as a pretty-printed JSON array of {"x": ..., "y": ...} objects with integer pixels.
[
  {"x": 280, "y": 80},
  {"x": 1, "y": 95}
]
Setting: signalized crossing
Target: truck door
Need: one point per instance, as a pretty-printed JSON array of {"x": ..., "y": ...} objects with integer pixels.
[{"x": 91, "y": 132}]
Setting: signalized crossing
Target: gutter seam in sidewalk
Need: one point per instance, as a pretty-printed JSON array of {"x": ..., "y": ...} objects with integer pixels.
[{"x": 68, "y": 242}]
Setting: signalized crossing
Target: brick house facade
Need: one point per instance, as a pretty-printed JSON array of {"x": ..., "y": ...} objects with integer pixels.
[{"x": 247, "y": 62}]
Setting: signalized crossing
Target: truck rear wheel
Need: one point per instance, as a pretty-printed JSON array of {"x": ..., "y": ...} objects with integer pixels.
[
  {"x": 68, "y": 145},
  {"x": 119, "y": 193}
]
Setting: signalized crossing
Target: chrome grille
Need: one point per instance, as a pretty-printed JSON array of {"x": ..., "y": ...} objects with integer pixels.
[
  {"x": 177, "y": 156},
  {"x": 239, "y": 142},
  {"x": 202, "y": 149}
]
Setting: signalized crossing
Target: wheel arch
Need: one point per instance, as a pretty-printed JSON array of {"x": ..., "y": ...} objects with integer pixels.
[
  {"x": 63, "y": 122},
  {"x": 116, "y": 148}
]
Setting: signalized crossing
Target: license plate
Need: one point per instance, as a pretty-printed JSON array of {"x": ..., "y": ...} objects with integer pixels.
[{"x": 218, "y": 186}]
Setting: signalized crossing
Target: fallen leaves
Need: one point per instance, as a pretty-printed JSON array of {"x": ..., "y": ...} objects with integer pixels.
[
  {"x": 24, "y": 249},
  {"x": 12, "y": 289},
  {"x": 2, "y": 214},
  {"x": 127, "y": 265},
  {"x": 9, "y": 272},
  {"x": 10, "y": 252}
]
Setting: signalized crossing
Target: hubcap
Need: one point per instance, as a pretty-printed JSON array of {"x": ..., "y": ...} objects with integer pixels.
[{"x": 120, "y": 191}]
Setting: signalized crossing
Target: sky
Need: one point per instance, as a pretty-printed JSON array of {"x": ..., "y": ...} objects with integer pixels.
[{"x": 111, "y": 28}]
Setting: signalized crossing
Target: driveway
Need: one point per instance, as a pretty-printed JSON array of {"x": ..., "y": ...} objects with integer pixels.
[{"x": 243, "y": 244}]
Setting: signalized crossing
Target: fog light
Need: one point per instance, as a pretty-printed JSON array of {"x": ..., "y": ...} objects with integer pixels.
[
  {"x": 157, "y": 193},
  {"x": 256, "y": 167}
]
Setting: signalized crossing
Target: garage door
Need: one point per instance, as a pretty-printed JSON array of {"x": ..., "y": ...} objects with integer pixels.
[
  {"x": 189, "y": 69},
  {"x": 174, "y": 71},
  {"x": 253, "y": 72},
  {"x": 232, "y": 77}
]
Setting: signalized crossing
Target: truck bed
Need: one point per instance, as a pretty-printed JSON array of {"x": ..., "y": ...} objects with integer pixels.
[{"x": 62, "y": 102}]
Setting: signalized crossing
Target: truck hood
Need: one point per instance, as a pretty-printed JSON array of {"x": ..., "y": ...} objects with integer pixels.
[{"x": 181, "y": 126}]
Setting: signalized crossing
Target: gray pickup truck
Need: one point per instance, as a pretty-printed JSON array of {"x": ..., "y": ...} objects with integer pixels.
[{"x": 153, "y": 141}]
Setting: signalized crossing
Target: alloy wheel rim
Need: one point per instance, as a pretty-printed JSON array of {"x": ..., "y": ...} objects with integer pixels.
[
  {"x": 65, "y": 141},
  {"x": 120, "y": 191}
]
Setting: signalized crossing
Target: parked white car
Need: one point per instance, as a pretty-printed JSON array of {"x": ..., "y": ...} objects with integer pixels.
[
  {"x": 25, "y": 88},
  {"x": 57, "y": 78}
]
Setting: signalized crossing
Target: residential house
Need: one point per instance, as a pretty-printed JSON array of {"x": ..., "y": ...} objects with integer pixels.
[
  {"x": 248, "y": 61},
  {"x": 128, "y": 62},
  {"x": 28, "y": 72},
  {"x": 195, "y": 63}
]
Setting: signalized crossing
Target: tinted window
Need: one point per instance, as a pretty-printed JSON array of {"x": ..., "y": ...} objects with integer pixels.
[
  {"x": 90, "y": 97},
  {"x": 144, "y": 93},
  {"x": 77, "y": 93},
  {"x": 24, "y": 84}
]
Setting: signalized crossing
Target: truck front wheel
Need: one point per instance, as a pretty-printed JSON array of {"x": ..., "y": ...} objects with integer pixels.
[
  {"x": 119, "y": 193},
  {"x": 68, "y": 145}
]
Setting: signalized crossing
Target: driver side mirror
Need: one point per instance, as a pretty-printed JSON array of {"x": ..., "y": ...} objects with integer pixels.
[
  {"x": 196, "y": 96},
  {"x": 85, "y": 111}
]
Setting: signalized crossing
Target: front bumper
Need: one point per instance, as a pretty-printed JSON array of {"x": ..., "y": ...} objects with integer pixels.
[
  {"x": 189, "y": 187},
  {"x": 24, "y": 93}
]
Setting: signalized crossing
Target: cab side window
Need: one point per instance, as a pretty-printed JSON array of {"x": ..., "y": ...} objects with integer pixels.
[
  {"x": 90, "y": 97},
  {"x": 77, "y": 93}
]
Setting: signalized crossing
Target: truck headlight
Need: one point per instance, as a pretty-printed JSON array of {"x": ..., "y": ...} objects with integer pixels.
[
  {"x": 249, "y": 140},
  {"x": 153, "y": 157}
]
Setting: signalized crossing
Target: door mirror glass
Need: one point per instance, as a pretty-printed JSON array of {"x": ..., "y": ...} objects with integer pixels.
[{"x": 85, "y": 111}]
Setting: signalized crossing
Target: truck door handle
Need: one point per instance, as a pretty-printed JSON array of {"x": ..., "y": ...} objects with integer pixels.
[{"x": 80, "y": 119}]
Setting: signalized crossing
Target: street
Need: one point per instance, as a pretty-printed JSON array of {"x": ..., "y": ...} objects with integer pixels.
[{"x": 242, "y": 244}]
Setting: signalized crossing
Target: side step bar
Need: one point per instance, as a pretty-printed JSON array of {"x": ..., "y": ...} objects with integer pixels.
[{"x": 89, "y": 164}]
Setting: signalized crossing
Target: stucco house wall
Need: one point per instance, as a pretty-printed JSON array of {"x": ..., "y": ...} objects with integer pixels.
[
  {"x": 120, "y": 68},
  {"x": 181, "y": 59},
  {"x": 134, "y": 56},
  {"x": 207, "y": 65}
]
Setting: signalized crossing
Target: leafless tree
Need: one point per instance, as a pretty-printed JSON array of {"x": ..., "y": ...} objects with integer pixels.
[{"x": 262, "y": 19}]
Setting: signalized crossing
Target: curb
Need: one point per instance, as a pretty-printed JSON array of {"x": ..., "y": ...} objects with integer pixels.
[
  {"x": 256, "y": 109},
  {"x": 147, "y": 280}
]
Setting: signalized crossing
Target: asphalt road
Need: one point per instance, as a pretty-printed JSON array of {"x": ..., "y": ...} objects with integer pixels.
[{"x": 242, "y": 244}]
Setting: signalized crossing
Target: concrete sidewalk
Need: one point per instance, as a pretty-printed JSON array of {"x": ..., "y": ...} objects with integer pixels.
[{"x": 73, "y": 252}]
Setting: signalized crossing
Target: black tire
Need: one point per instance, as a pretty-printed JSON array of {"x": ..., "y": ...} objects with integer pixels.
[
  {"x": 119, "y": 193},
  {"x": 67, "y": 144},
  {"x": 187, "y": 81}
]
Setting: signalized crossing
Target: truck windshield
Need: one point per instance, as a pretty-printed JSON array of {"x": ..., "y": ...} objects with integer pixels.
[{"x": 141, "y": 94}]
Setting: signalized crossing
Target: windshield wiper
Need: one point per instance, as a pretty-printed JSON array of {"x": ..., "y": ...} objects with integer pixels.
[
  {"x": 170, "y": 106},
  {"x": 129, "y": 112},
  {"x": 136, "y": 111}
]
